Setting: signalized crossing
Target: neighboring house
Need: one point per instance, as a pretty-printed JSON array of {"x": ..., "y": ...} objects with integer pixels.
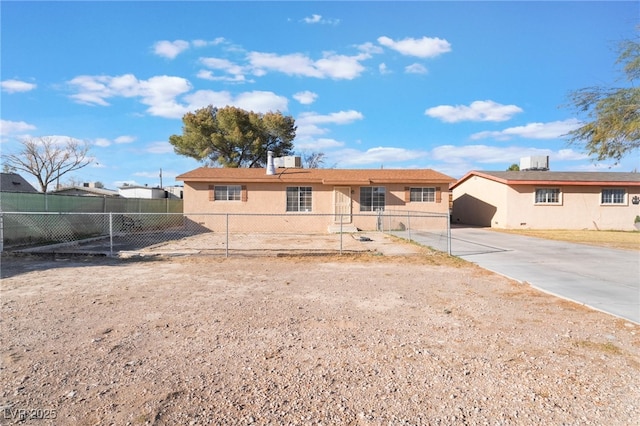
[
  {"x": 86, "y": 190},
  {"x": 135, "y": 191},
  {"x": 547, "y": 200},
  {"x": 325, "y": 197},
  {"x": 176, "y": 191},
  {"x": 13, "y": 182}
]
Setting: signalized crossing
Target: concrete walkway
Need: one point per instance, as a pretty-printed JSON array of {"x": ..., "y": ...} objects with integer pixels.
[{"x": 604, "y": 279}]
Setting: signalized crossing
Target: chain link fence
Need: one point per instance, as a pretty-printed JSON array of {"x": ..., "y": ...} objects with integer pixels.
[{"x": 216, "y": 234}]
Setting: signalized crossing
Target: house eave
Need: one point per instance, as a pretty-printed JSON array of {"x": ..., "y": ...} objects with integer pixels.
[{"x": 546, "y": 182}]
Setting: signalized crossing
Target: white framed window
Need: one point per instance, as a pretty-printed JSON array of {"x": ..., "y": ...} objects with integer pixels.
[
  {"x": 613, "y": 196},
  {"x": 422, "y": 195},
  {"x": 227, "y": 193},
  {"x": 372, "y": 198},
  {"x": 299, "y": 198},
  {"x": 548, "y": 196}
]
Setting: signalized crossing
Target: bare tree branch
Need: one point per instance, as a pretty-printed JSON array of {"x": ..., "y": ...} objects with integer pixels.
[{"x": 47, "y": 159}]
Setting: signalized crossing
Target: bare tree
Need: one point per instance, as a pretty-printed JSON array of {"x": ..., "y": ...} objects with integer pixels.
[
  {"x": 313, "y": 160},
  {"x": 48, "y": 159}
]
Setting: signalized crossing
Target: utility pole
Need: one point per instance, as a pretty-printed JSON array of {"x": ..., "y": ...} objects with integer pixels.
[{"x": 161, "y": 177}]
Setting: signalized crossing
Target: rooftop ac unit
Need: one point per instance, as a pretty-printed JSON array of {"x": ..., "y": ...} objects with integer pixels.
[
  {"x": 289, "y": 161},
  {"x": 539, "y": 162}
]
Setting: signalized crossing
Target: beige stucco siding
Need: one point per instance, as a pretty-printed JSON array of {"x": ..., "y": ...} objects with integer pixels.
[
  {"x": 269, "y": 200},
  {"x": 579, "y": 208},
  {"x": 485, "y": 202},
  {"x": 480, "y": 202}
]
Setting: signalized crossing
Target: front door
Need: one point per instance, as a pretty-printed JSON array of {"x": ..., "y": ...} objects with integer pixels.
[{"x": 342, "y": 204}]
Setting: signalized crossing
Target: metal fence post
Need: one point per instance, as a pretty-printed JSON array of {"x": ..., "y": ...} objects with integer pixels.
[
  {"x": 110, "y": 234},
  {"x": 227, "y": 236},
  {"x": 1, "y": 232},
  {"x": 341, "y": 222},
  {"x": 448, "y": 235},
  {"x": 409, "y": 224}
]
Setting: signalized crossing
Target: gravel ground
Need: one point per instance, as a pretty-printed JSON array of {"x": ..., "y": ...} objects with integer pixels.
[{"x": 358, "y": 340}]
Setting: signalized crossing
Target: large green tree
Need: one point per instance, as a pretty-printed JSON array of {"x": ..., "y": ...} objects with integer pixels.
[
  {"x": 612, "y": 128},
  {"x": 233, "y": 137}
]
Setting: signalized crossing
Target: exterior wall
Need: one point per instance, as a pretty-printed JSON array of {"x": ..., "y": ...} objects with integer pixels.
[
  {"x": 480, "y": 202},
  {"x": 580, "y": 208},
  {"x": 175, "y": 191},
  {"x": 142, "y": 192},
  {"x": 270, "y": 199}
]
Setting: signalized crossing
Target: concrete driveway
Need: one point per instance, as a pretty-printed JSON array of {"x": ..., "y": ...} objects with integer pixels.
[{"x": 604, "y": 279}]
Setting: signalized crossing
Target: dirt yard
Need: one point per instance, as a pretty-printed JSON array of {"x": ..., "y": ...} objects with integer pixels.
[{"x": 364, "y": 339}]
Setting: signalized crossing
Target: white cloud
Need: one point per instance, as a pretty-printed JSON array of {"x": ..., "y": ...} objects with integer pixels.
[
  {"x": 569, "y": 154},
  {"x": 208, "y": 75},
  {"x": 550, "y": 130},
  {"x": 104, "y": 142},
  {"x": 202, "y": 98},
  {"x": 170, "y": 49},
  {"x": 292, "y": 64},
  {"x": 379, "y": 156},
  {"x": 205, "y": 43},
  {"x": 16, "y": 86},
  {"x": 484, "y": 153},
  {"x": 424, "y": 47},
  {"x": 338, "y": 67},
  {"x": 383, "y": 69},
  {"x": 14, "y": 127},
  {"x": 308, "y": 122},
  {"x": 159, "y": 148},
  {"x": 341, "y": 117},
  {"x": 311, "y": 125},
  {"x": 477, "y": 111},
  {"x": 158, "y": 93},
  {"x": 313, "y": 19},
  {"x": 124, "y": 139},
  {"x": 261, "y": 101},
  {"x": 257, "y": 101},
  {"x": 370, "y": 48},
  {"x": 458, "y": 160},
  {"x": 237, "y": 71},
  {"x": 416, "y": 69},
  {"x": 318, "y": 19},
  {"x": 306, "y": 97},
  {"x": 319, "y": 144}
]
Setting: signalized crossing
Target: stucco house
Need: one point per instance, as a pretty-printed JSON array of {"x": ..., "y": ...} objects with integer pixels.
[
  {"x": 535, "y": 199},
  {"x": 326, "y": 198}
]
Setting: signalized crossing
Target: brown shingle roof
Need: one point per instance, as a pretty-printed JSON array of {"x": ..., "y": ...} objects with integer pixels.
[
  {"x": 536, "y": 177},
  {"x": 323, "y": 176}
]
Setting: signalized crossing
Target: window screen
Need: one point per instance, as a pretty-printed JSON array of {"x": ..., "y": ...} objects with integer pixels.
[
  {"x": 299, "y": 199},
  {"x": 372, "y": 198}
]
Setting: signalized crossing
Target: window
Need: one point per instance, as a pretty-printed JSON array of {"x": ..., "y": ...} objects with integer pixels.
[
  {"x": 371, "y": 198},
  {"x": 299, "y": 199},
  {"x": 548, "y": 196},
  {"x": 422, "y": 195},
  {"x": 613, "y": 196},
  {"x": 227, "y": 193}
]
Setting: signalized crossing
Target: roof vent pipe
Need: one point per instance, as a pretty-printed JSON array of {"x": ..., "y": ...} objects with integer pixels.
[{"x": 271, "y": 168}]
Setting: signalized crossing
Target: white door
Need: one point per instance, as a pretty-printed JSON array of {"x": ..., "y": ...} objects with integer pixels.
[{"x": 342, "y": 204}]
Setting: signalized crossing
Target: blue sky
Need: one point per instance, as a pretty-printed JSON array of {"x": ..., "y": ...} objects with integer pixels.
[{"x": 452, "y": 86}]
